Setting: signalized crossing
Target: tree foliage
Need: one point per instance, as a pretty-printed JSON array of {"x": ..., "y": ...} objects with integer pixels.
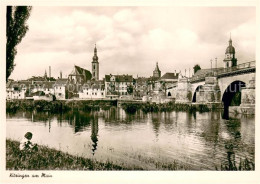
[
  {"x": 196, "y": 68},
  {"x": 16, "y": 28},
  {"x": 130, "y": 89}
]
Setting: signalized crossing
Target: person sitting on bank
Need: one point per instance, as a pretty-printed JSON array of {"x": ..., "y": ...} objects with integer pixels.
[{"x": 26, "y": 144}]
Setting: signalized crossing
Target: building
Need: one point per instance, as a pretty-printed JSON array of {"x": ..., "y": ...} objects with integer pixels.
[
  {"x": 17, "y": 89},
  {"x": 61, "y": 89},
  {"x": 45, "y": 86},
  {"x": 92, "y": 90},
  {"x": 157, "y": 71},
  {"x": 95, "y": 65},
  {"x": 169, "y": 77},
  {"x": 141, "y": 87},
  {"x": 79, "y": 75},
  {"x": 162, "y": 84},
  {"x": 118, "y": 84},
  {"x": 230, "y": 59}
]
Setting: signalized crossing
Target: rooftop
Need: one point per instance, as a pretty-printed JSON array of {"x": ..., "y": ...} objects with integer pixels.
[
  {"x": 170, "y": 76},
  {"x": 119, "y": 78}
]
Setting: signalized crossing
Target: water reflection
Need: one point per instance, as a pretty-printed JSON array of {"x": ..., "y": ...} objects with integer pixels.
[
  {"x": 78, "y": 120},
  {"x": 225, "y": 114},
  {"x": 205, "y": 139},
  {"x": 94, "y": 133},
  {"x": 156, "y": 122}
]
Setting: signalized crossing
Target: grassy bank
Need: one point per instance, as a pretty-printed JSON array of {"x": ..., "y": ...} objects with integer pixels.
[
  {"x": 51, "y": 159},
  {"x": 57, "y": 106}
]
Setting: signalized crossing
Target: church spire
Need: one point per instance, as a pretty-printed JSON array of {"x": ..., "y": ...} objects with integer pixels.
[
  {"x": 95, "y": 57},
  {"x": 95, "y": 65},
  {"x": 95, "y": 50},
  {"x": 45, "y": 74},
  {"x": 230, "y": 40}
]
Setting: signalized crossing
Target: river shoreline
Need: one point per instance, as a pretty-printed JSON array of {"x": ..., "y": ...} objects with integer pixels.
[
  {"x": 50, "y": 159},
  {"x": 95, "y": 105}
]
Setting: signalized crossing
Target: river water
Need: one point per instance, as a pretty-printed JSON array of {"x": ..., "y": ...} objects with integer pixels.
[{"x": 199, "y": 141}]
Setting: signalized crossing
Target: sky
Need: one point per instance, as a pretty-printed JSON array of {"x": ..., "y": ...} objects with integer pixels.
[{"x": 130, "y": 40}]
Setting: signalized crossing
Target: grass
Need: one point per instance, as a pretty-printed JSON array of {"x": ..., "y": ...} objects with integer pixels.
[
  {"x": 243, "y": 165},
  {"x": 51, "y": 159}
]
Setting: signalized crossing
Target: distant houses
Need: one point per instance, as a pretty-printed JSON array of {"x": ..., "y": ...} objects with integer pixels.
[{"x": 82, "y": 84}]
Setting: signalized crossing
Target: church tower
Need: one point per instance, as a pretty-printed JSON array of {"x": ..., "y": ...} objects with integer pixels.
[
  {"x": 95, "y": 65},
  {"x": 230, "y": 59},
  {"x": 157, "y": 72}
]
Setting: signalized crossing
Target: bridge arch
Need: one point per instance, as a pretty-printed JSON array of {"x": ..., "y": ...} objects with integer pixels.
[
  {"x": 233, "y": 90},
  {"x": 224, "y": 82},
  {"x": 194, "y": 98}
]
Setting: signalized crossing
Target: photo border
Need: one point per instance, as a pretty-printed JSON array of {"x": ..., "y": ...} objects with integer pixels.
[{"x": 115, "y": 177}]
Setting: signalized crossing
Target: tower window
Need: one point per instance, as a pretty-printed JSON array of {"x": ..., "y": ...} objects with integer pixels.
[{"x": 94, "y": 67}]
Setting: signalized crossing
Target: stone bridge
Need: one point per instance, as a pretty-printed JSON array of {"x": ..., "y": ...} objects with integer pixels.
[{"x": 219, "y": 86}]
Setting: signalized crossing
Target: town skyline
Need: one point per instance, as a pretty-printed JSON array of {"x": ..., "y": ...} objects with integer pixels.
[{"x": 127, "y": 42}]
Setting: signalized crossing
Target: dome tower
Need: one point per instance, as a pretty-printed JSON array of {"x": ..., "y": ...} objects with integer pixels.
[{"x": 230, "y": 59}]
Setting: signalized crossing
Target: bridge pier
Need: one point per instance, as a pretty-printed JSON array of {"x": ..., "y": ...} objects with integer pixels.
[
  {"x": 209, "y": 92},
  {"x": 183, "y": 91},
  {"x": 247, "y": 105}
]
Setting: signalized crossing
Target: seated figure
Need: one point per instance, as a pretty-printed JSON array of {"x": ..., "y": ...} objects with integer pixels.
[{"x": 26, "y": 144}]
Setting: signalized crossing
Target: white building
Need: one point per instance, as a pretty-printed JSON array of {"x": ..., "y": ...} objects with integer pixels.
[
  {"x": 60, "y": 89},
  {"x": 45, "y": 86},
  {"x": 17, "y": 89},
  {"x": 92, "y": 91},
  {"x": 25, "y": 89}
]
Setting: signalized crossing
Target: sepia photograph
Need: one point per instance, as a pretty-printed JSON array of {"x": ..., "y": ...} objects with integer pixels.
[{"x": 128, "y": 88}]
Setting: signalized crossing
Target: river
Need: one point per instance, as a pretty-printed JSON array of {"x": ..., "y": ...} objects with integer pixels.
[{"x": 199, "y": 141}]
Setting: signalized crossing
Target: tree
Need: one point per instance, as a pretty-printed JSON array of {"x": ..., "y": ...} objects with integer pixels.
[
  {"x": 130, "y": 89},
  {"x": 196, "y": 68},
  {"x": 163, "y": 87},
  {"x": 16, "y": 28}
]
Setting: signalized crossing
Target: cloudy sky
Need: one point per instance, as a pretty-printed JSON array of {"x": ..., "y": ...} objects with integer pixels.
[{"x": 130, "y": 40}]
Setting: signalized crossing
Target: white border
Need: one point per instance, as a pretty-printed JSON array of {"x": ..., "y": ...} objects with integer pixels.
[{"x": 115, "y": 177}]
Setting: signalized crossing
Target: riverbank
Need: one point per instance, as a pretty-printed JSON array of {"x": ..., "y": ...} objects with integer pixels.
[
  {"x": 167, "y": 107},
  {"x": 50, "y": 159},
  {"x": 90, "y": 105},
  {"x": 58, "y": 106}
]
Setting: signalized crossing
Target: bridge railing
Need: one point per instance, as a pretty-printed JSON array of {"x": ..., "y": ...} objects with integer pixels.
[{"x": 217, "y": 72}]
